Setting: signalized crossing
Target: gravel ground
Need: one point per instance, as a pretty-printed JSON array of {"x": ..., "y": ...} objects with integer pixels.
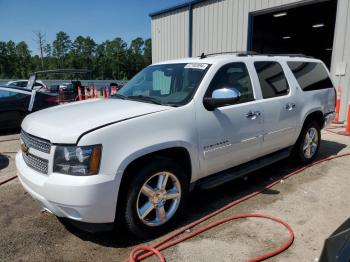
[{"x": 315, "y": 203}]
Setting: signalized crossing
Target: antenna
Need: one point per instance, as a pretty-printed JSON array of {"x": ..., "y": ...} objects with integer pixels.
[{"x": 202, "y": 56}]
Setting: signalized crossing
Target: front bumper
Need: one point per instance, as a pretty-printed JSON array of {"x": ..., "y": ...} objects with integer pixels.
[{"x": 89, "y": 199}]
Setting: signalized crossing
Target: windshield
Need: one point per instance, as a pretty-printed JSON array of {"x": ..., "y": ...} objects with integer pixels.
[{"x": 168, "y": 84}]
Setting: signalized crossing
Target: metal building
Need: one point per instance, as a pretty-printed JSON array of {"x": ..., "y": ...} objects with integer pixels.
[{"x": 320, "y": 28}]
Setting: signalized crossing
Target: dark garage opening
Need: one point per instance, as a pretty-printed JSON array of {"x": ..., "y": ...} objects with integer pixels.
[{"x": 300, "y": 29}]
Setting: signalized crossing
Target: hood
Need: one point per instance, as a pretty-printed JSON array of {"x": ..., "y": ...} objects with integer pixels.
[{"x": 65, "y": 123}]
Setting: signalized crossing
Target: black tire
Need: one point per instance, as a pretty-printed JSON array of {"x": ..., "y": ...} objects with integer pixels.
[
  {"x": 298, "y": 153},
  {"x": 129, "y": 211}
]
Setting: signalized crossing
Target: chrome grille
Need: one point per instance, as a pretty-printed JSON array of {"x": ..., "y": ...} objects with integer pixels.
[
  {"x": 34, "y": 142},
  {"x": 37, "y": 163}
]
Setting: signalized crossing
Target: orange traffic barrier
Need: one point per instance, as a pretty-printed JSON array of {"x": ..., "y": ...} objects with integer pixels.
[
  {"x": 114, "y": 90},
  {"x": 337, "y": 106},
  {"x": 347, "y": 128},
  {"x": 86, "y": 93},
  {"x": 92, "y": 93},
  {"x": 107, "y": 92},
  {"x": 79, "y": 93}
]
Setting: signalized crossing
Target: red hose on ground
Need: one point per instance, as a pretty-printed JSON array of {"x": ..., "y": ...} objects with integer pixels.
[
  {"x": 168, "y": 242},
  {"x": 133, "y": 253}
]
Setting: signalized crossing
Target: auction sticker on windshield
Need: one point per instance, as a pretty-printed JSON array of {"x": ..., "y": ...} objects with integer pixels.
[{"x": 196, "y": 66}]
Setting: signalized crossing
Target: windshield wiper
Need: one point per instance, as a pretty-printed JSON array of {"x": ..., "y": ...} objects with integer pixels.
[{"x": 146, "y": 98}]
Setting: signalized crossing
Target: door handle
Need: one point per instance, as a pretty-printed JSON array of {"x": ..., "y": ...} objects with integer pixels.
[
  {"x": 253, "y": 114},
  {"x": 290, "y": 106}
]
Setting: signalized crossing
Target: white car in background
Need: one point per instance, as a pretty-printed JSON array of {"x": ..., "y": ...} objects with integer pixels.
[
  {"x": 23, "y": 83},
  {"x": 192, "y": 122}
]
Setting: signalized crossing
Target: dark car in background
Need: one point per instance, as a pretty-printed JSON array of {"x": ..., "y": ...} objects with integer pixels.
[{"x": 17, "y": 102}]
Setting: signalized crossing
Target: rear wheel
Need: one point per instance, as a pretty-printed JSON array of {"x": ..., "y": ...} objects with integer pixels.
[
  {"x": 308, "y": 143},
  {"x": 155, "y": 198}
]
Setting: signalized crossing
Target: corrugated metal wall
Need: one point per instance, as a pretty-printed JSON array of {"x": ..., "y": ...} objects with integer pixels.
[
  {"x": 218, "y": 25},
  {"x": 222, "y": 25},
  {"x": 170, "y": 35}
]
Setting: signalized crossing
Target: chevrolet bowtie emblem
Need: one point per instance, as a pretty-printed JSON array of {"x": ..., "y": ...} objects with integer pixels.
[{"x": 24, "y": 148}]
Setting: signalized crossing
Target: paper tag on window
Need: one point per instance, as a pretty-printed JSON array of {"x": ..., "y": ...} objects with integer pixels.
[{"x": 196, "y": 66}]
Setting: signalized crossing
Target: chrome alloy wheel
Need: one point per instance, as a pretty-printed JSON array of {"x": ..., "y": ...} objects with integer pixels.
[
  {"x": 158, "y": 199},
  {"x": 310, "y": 143}
]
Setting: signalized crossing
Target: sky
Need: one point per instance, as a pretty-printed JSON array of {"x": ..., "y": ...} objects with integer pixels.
[{"x": 100, "y": 19}]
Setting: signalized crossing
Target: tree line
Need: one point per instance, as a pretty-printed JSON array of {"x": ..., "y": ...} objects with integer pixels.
[{"x": 112, "y": 59}]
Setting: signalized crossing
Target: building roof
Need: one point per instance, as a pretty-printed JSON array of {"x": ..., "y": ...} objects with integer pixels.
[{"x": 176, "y": 7}]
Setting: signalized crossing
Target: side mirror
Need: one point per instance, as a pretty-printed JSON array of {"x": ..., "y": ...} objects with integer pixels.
[{"x": 222, "y": 97}]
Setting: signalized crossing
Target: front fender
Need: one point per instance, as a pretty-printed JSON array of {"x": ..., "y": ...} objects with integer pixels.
[{"x": 158, "y": 147}]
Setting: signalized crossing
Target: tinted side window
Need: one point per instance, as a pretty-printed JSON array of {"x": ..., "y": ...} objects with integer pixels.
[
  {"x": 310, "y": 76},
  {"x": 23, "y": 83},
  {"x": 234, "y": 75},
  {"x": 36, "y": 84},
  {"x": 272, "y": 80},
  {"x": 6, "y": 94}
]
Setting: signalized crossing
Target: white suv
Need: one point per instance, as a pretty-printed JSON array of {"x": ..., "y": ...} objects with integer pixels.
[{"x": 132, "y": 159}]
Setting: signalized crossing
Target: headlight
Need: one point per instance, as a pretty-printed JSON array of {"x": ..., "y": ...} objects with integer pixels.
[{"x": 77, "y": 160}]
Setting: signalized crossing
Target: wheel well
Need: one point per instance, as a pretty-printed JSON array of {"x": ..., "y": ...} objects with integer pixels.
[
  {"x": 315, "y": 116},
  {"x": 178, "y": 154}
]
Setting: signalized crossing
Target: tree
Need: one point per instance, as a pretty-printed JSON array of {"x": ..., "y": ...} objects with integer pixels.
[
  {"x": 23, "y": 60},
  {"x": 82, "y": 52},
  {"x": 3, "y": 60},
  {"x": 147, "y": 52},
  {"x": 61, "y": 46},
  {"x": 112, "y": 59},
  {"x": 135, "y": 56},
  {"x": 11, "y": 56},
  {"x": 40, "y": 39},
  {"x": 115, "y": 52},
  {"x": 47, "y": 50}
]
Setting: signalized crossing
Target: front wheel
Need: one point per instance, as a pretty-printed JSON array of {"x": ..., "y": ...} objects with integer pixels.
[
  {"x": 155, "y": 198},
  {"x": 308, "y": 144}
]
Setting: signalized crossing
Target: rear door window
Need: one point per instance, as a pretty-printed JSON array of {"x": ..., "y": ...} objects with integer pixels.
[
  {"x": 272, "y": 79},
  {"x": 310, "y": 75}
]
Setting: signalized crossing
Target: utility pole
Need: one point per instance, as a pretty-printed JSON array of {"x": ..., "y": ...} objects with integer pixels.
[{"x": 40, "y": 39}]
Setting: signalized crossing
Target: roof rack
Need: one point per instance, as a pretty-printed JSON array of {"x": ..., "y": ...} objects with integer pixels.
[
  {"x": 252, "y": 53},
  {"x": 290, "y": 55},
  {"x": 238, "y": 53}
]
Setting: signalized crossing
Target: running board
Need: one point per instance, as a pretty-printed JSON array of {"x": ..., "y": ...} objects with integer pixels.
[{"x": 241, "y": 170}]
